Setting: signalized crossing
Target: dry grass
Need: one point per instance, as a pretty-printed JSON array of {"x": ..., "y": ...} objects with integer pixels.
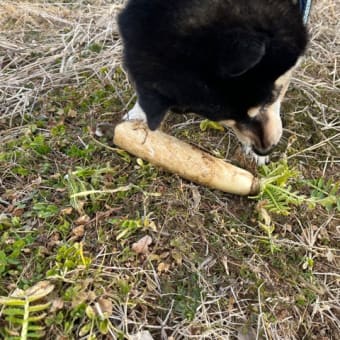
[
  {"x": 45, "y": 49},
  {"x": 212, "y": 272},
  {"x": 318, "y": 77}
]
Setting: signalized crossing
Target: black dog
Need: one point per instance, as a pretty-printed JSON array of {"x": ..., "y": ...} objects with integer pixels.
[{"x": 227, "y": 60}]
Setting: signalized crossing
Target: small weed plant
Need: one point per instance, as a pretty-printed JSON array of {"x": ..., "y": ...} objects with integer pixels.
[
  {"x": 24, "y": 312},
  {"x": 279, "y": 191}
]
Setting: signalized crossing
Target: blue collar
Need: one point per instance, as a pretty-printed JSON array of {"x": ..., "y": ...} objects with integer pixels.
[{"x": 305, "y": 6}]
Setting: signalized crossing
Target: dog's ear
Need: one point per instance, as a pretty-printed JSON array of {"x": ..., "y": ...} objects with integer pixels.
[{"x": 239, "y": 51}]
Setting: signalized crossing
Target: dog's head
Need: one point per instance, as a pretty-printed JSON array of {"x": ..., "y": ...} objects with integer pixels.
[
  {"x": 260, "y": 126},
  {"x": 259, "y": 70}
]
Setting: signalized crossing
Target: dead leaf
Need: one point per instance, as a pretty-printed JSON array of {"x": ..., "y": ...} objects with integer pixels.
[
  {"x": 67, "y": 211},
  {"x": 289, "y": 227},
  {"x": 163, "y": 267},
  {"x": 18, "y": 212},
  {"x": 142, "y": 246},
  {"x": 78, "y": 231},
  {"x": 72, "y": 113},
  {"x": 54, "y": 240},
  {"x": 36, "y": 292},
  {"x": 55, "y": 176},
  {"x": 231, "y": 304},
  {"x": 105, "y": 306},
  {"x": 164, "y": 255},
  {"x": 264, "y": 216},
  {"x": 57, "y": 304},
  {"x": 196, "y": 197},
  {"x": 79, "y": 298},
  {"x": 62, "y": 337},
  {"x": 91, "y": 295},
  {"x": 82, "y": 220}
]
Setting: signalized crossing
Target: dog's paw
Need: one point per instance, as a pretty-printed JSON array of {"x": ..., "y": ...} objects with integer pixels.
[
  {"x": 259, "y": 160},
  {"x": 136, "y": 113}
]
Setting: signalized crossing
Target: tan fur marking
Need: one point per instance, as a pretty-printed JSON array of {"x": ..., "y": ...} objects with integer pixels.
[
  {"x": 283, "y": 82},
  {"x": 229, "y": 123},
  {"x": 273, "y": 125},
  {"x": 253, "y": 112}
]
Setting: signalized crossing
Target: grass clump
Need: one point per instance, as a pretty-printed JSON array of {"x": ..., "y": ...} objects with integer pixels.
[
  {"x": 278, "y": 195},
  {"x": 23, "y": 314}
]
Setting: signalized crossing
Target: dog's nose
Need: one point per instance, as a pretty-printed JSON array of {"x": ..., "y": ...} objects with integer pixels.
[
  {"x": 265, "y": 145},
  {"x": 263, "y": 151}
]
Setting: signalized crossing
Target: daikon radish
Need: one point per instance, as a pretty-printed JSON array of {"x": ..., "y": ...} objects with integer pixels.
[{"x": 183, "y": 159}]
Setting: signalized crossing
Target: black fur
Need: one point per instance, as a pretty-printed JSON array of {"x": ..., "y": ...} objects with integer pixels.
[{"x": 217, "y": 58}]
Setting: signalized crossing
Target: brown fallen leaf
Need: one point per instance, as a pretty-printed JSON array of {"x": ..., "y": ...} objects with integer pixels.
[
  {"x": 67, "y": 211},
  {"x": 196, "y": 197},
  {"x": 57, "y": 304},
  {"x": 36, "y": 292},
  {"x": 105, "y": 306},
  {"x": 163, "y": 267},
  {"x": 142, "y": 246},
  {"x": 82, "y": 220},
  {"x": 72, "y": 113},
  {"x": 53, "y": 240},
  {"x": 18, "y": 212},
  {"x": 78, "y": 231}
]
